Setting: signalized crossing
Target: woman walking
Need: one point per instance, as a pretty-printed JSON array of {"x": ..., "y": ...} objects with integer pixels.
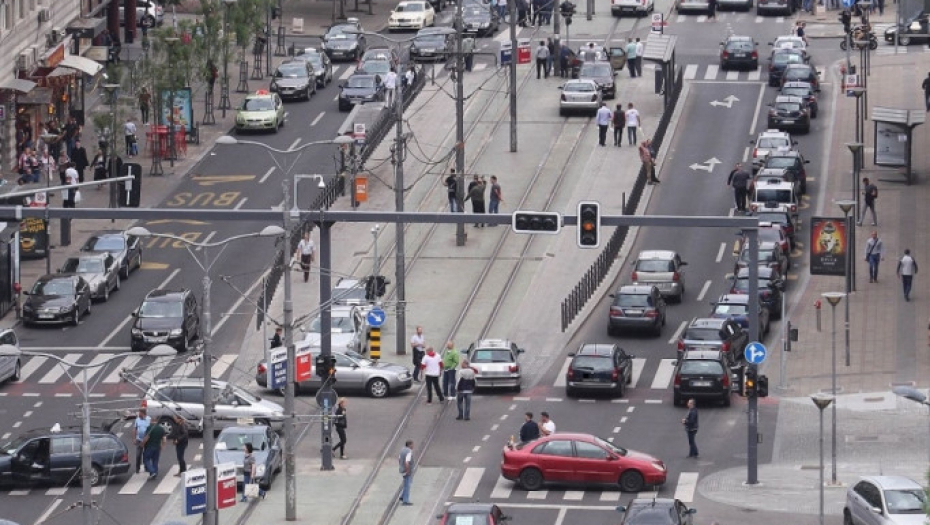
[
  {"x": 248, "y": 473},
  {"x": 341, "y": 425}
]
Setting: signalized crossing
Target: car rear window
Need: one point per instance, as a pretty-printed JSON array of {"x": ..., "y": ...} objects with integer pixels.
[
  {"x": 702, "y": 334},
  {"x": 739, "y": 46},
  {"x": 633, "y": 300},
  {"x": 579, "y": 87},
  {"x": 773, "y": 143},
  {"x": 591, "y": 362},
  {"x": 731, "y": 309},
  {"x": 764, "y": 256},
  {"x": 769, "y": 235},
  {"x": 467, "y": 518},
  {"x": 787, "y": 58},
  {"x": 763, "y": 195},
  {"x": 788, "y": 106},
  {"x": 654, "y": 265},
  {"x": 491, "y": 356},
  {"x": 104, "y": 443},
  {"x": 796, "y": 91},
  {"x": 701, "y": 366}
]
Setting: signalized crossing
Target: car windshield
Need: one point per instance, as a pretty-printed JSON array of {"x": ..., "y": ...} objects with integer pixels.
[
  {"x": 315, "y": 60},
  {"x": 731, "y": 309},
  {"x": 773, "y": 143},
  {"x": 291, "y": 71},
  {"x": 739, "y": 46},
  {"x": 788, "y": 106},
  {"x": 430, "y": 39},
  {"x": 789, "y": 43},
  {"x": 769, "y": 235},
  {"x": 409, "y": 8},
  {"x": 10, "y": 447},
  {"x": 764, "y": 255},
  {"x": 796, "y": 91},
  {"x": 780, "y": 162},
  {"x": 787, "y": 58},
  {"x": 579, "y": 87},
  {"x": 633, "y": 300},
  {"x": 701, "y": 366},
  {"x": 488, "y": 355},
  {"x": 55, "y": 287},
  {"x": 650, "y": 515},
  {"x": 373, "y": 67},
  {"x": 83, "y": 266},
  {"x": 702, "y": 334},
  {"x": 340, "y": 325},
  {"x": 361, "y": 82},
  {"x": 466, "y": 518},
  {"x": 109, "y": 243},
  {"x": 161, "y": 309},
  {"x": 237, "y": 440},
  {"x": 258, "y": 104},
  {"x": 742, "y": 285},
  {"x": 592, "y": 362},
  {"x": 797, "y": 73},
  {"x": 654, "y": 265},
  {"x": 342, "y": 36},
  {"x": 474, "y": 10},
  {"x": 610, "y": 446},
  {"x": 596, "y": 70},
  {"x": 913, "y": 501},
  {"x": 778, "y": 218}
]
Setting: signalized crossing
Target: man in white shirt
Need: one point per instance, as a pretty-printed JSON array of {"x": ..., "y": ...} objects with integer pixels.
[
  {"x": 390, "y": 85},
  {"x": 639, "y": 57},
  {"x": 71, "y": 178},
  {"x": 418, "y": 347},
  {"x": 546, "y": 425},
  {"x": 129, "y": 130},
  {"x": 432, "y": 369},
  {"x": 304, "y": 253},
  {"x": 410, "y": 76},
  {"x": 604, "y": 117},
  {"x": 907, "y": 268},
  {"x": 632, "y": 123}
]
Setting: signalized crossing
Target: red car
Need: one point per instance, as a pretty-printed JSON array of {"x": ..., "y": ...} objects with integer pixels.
[{"x": 580, "y": 459}]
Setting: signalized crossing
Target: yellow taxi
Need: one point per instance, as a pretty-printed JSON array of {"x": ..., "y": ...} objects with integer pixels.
[{"x": 261, "y": 110}]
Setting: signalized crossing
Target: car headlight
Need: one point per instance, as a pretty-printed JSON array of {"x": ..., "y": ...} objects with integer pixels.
[
  {"x": 484, "y": 24},
  {"x": 175, "y": 332},
  {"x": 136, "y": 332},
  {"x": 65, "y": 309},
  {"x": 403, "y": 375},
  {"x": 658, "y": 466}
]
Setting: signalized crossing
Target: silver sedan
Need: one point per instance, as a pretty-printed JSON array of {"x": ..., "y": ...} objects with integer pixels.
[
  {"x": 100, "y": 270},
  {"x": 355, "y": 372},
  {"x": 579, "y": 95}
]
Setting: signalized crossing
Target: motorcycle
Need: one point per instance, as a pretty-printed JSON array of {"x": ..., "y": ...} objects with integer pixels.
[{"x": 860, "y": 34}]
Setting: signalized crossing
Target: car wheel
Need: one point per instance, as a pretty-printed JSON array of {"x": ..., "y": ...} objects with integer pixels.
[
  {"x": 531, "y": 479},
  {"x": 847, "y": 517},
  {"x": 118, "y": 282},
  {"x": 726, "y": 399},
  {"x": 378, "y": 388},
  {"x": 106, "y": 292},
  {"x": 17, "y": 371},
  {"x": 125, "y": 270},
  {"x": 631, "y": 481},
  {"x": 95, "y": 477},
  {"x": 169, "y": 425}
]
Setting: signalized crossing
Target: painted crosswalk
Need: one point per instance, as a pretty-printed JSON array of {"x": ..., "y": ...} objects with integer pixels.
[
  {"x": 724, "y": 17},
  {"x": 639, "y": 365},
  {"x": 713, "y": 72}
]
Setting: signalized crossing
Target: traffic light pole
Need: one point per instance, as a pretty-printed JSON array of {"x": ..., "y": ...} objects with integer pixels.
[
  {"x": 512, "y": 7},
  {"x": 460, "y": 236},
  {"x": 327, "y": 394},
  {"x": 752, "y": 456}
]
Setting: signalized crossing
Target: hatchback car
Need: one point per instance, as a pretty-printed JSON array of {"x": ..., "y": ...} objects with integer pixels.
[
  {"x": 56, "y": 299},
  {"x": 801, "y": 73},
  {"x": 99, "y": 270},
  {"x": 770, "y": 285},
  {"x": 412, "y": 14},
  {"x": 430, "y": 44},
  {"x": 11, "y": 359},
  {"x": 692, "y": 5},
  {"x": 340, "y": 44},
  {"x": 636, "y": 307},
  {"x": 321, "y": 64},
  {"x": 472, "y": 514},
  {"x": 803, "y": 90},
  {"x": 380, "y": 54},
  {"x": 736, "y": 307},
  {"x": 780, "y": 216},
  {"x": 793, "y": 163},
  {"x": 702, "y": 374},
  {"x": 54, "y": 456},
  {"x": 725, "y": 335},
  {"x": 784, "y": 7},
  {"x": 768, "y": 142},
  {"x": 771, "y": 256},
  {"x": 354, "y": 373},
  {"x": 478, "y": 20},
  {"x": 165, "y": 317},
  {"x": 580, "y": 459},
  {"x": 770, "y": 232},
  {"x": 885, "y": 500},
  {"x": 663, "y": 268},
  {"x": 598, "y": 367},
  {"x": 349, "y": 329},
  {"x": 359, "y": 89},
  {"x": 266, "y": 450},
  {"x": 739, "y": 52},
  {"x": 183, "y": 396},
  {"x": 294, "y": 79},
  {"x": 125, "y": 248},
  {"x": 497, "y": 363},
  {"x": 780, "y": 60},
  {"x": 791, "y": 113},
  {"x": 379, "y": 68},
  {"x": 656, "y": 511},
  {"x": 579, "y": 96},
  {"x": 260, "y": 111},
  {"x": 603, "y": 75}
]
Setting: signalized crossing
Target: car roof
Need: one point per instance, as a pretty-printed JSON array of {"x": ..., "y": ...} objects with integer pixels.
[
  {"x": 163, "y": 295},
  {"x": 739, "y": 38},
  {"x": 799, "y": 66},
  {"x": 764, "y": 273},
  {"x": 581, "y": 81},
  {"x": 598, "y": 349},
  {"x": 651, "y": 502},
  {"x": 701, "y": 355},
  {"x": 774, "y": 132},
  {"x": 492, "y": 343},
  {"x": 733, "y": 298},
  {"x": 57, "y": 277},
  {"x": 706, "y": 322},
  {"x": 245, "y": 429},
  {"x": 361, "y": 73},
  {"x": 778, "y": 184},
  {"x": 893, "y": 482},
  {"x": 784, "y": 153},
  {"x": 657, "y": 254},
  {"x": 635, "y": 289}
]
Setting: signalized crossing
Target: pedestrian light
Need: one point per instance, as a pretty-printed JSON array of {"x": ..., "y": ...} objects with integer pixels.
[
  {"x": 739, "y": 376},
  {"x": 589, "y": 224},
  {"x": 536, "y": 222},
  {"x": 750, "y": 382},
  {"x": 762, "y": 386}
]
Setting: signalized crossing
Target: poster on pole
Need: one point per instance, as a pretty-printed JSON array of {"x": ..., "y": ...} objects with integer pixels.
[
  {"x": 303, "y": 363},
  {"x": 181, "y": 108},
  {"x": 225, "y": 485},
  {"x": 658, "y": 23},
  {"x": 828, "y": 246},
  {"x": 277, "y": 359}
]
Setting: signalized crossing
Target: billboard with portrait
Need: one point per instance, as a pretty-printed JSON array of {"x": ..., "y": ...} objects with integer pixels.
[{"x": 828, "y": 246}]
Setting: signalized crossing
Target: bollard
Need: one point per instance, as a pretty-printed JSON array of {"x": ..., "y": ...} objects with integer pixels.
[
  {"x": 374, "y": 343},
  {"x": 818, "y": 305}
]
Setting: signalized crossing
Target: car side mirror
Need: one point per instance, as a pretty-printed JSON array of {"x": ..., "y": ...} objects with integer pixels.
[
  {"x": 807, "y": 162},
  {"x": 692, "y": 511},
  {"x": 876, "y": 510},
  {"x": 683, "y": 263},
  {"x": 520, "y": 350},
  {"x": 134, "y": 313}
]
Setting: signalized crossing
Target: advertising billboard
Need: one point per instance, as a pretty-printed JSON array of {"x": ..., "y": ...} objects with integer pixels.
[{"x": 828, "y": 246}]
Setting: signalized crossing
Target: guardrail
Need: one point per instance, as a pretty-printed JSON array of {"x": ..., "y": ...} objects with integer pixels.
[{"x": 575, "y": 301}]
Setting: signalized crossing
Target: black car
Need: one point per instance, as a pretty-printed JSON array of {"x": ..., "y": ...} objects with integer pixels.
[
  {"x": 43, "y": 456},
  {"x": 804, "y": 90},
  {"x": 637, "y": 307},
  {"x": 656, "y": 511},
  {"x": 793, "y": 163},
  {"x": 166, "y": 317},
  {"x": 431, "y": 44},
  {"x": 916, "y": 31},
  {"x": 739, "y": 52},
  {"x": 340, "y": 45},
  {"x": 781, "y": 59},
  {"x": 725, "y": 335},
  {"x": 359, "y": 89},
  {"x": 602, "y": 74},
  {"x": 801, "y": 73},
  {"x": 56, "y": 299},
  {"x": 294, "y": 79},
  {"x": 478, "y": 20},
  {"x": 771, "y": 256},
  {"x": 789, "y": 113},
  {"x": 127, "y": 249},
  {"x": 771, "y": 286},
  {"x": 598, "y": 367},
  {"x": 702, "y": 374},
  {"x": 322, "y": 66},
  {"x": 736, "y": 307}
]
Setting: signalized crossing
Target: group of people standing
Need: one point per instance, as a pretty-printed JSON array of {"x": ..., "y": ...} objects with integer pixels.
[
  {"x": 456, "y": 373},
  {"x": 474, "y": 192}
]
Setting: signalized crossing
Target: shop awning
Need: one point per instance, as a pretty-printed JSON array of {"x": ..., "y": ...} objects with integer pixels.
[
  {"x": 19, "y": 85},
  {"x": 37, "y": 96},
  {"x": 85, "y": 65}
]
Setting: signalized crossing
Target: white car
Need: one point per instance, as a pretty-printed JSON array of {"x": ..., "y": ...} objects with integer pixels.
[
  {"x": 412, "y": 15},
  {"x": 10, "y": 356},
  {"x": 790, "y": 42},
  {"x": 579, "y": 95},
  {"x": 348, "y": 330},
  {"x": 770, "y": 141},
  {"x": 885, "y": 500},
  {"x": 636, "y": 7}
]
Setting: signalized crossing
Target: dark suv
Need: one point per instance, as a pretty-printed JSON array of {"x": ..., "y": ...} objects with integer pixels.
[
  {"x": 770, "y": 289},
  {"x": 636, "y": 307},
  {"x": 166, "y": 317},
  {"x": 725, "y": 335},
  {"x": 702, "y": 374},
  {"x": 739, "y": 51},
  {"x": 599, "y": 368},
  {"x": 43, "y": 456}
]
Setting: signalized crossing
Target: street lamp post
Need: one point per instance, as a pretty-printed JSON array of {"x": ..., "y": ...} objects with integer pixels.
[
  {"x": 224, "y": 87},
  {"x": 847, "y": 206},
  {"x": 48, "y": 138},
  {"x": 834, "y": 299},
  {"x": 918, "y": 397},
  {"x": 172, "y": 147},
  {"x": 111, "y": 154},
  {"x": 856, "y": 149},
  {"x": 209, "y": 440},
  {"x": 822, "y": 401}
]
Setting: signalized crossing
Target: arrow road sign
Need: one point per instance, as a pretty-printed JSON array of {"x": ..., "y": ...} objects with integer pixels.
[
  {"x": 707, "y": 165},
  {"x": 727, "y": 102},
  {"x": 376, "y": 317},
  {"x": 755, "y": 353}
]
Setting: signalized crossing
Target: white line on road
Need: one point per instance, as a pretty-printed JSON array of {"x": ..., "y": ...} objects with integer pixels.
[
  {"x": 476, "y": 448},
  {"x": 573, "y": 495},
  {"x": 127, "y": 363},
  {"x": 732, "y": 75},
  {"x": 638, "y": 365},
  {"x": 652, "y": 401},
  {"x": 690, "y": 71},
  {"x": 30, "y": 368},
  {"x": 166, "y": 486},
  {"x": 59, "y": 369},
  {"x": 222, "y": 364},
  {"x": 239, "y": 205},
  {"x": 295, "y": 143},
  {"x": 561, "y": 517},
  {"x": 134, "y": 484},
  {"x": 610, "y": 495},
  {"x": 57, "y": 491},
  {"x": 469, "y": 482},
  {"x": 206, "y": 240},
  {"x": 663, "y": 374},
  {"x": 723, "y": 248},
  {"x": 346, "y": 74},
  {"x": 704, "y": 289},
  {"x": 674, "y": 338},
  {"x": 502, "y": 488},
  {"x": 266, "y": 175},
  {"x": 711, "y": 72},
  {"x": 755, "y": 75},
  {"x": 560, "y": 379},
  {"x": 746, "y": 154},
  {"x": 755, "y": 115},
  {"x": 92, "y": 369},
  {"x": 317, "y": 119},
  {"x": 616, "y": 430},
  {"x": 537, "y": 494},
  {"x": 48, "y": 512},
  {"x": 119, "y": 328},
  {"x": 687, "y": 484},
  {"x": 630, "y": 410}
]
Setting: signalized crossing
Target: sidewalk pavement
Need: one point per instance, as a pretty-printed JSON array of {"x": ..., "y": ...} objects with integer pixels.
[
  {"x": 442, "y": 276},
  {"x": 826, "y": 24}
]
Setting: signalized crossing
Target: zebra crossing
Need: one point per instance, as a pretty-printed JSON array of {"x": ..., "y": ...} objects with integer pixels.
[
  {"x": 727, "y": 17},
  {"x": 713, "y": 72},
  {"x": 660, "y": 380}
]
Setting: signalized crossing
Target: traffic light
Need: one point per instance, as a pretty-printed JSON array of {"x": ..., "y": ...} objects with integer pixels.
[
  {"x": 536, "y": 222},
  {"x": 589, "y": 224},
  {"x": 275, "y": 13},
  {"x": 567, "y": 9},
  {"x": 740, "y": 386},
  {"x": 750, "y": 382},
  {"x": 762, "y": 386},
  {"x": 375, "y": 287},
  {"x": 326, "y": 368}
]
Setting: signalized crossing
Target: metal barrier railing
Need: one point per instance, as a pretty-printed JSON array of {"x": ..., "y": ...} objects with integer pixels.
[{"x": 575, "y": 301}]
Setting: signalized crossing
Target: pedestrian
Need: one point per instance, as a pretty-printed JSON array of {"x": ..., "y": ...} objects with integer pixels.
[
  {"x": 869, "y": 193},
  {"x": 139, "y": 427},
  {"x": 180, "y": 443},
  {"x": 152, "y": 444},
  {"x": 645, "y": 155},
  {"x": 631, "y": 61},
  {"x": 739, "y": 181},
  {"x": 276, "y": 340},
  {"x": 564, "y": 56},
  {"x": 145, "y": 102},
  {"x": 632, "y": 122},
  {"x": 71, "y": 179},
  {"x": 476, "y": 195},
  {"x": 522, "y": 9},
  {"x": 70, "y": 133},
  {"x": 712, "y": 10},
  {"x": 468, "y": 49},
  {"x": 304, "y": 254},
  {"x": 248, "y": 472},
  {"x": 550, "y": 43},
  {"x": 341, "y": 423},
  {"x": 926, "y": 86},
  {"x": 546, "y": 425},
  {"x": 405, "y": 460},
  {"x": 452, "y": 186},
  {"x": 639, "y": 57},
  {"x": 432, "y": 369},
  {"x": 619, "y": 120},
  {"x": 530, "y": 429},
  {"x": 846, "y": 19},
  {"x": 497, "y": 197},
  {"x": 465, "y": 387},
  {"x": 604, "y": 118},
  {"x": 542, "y": 60},
  {"x": 390, "y": 86},
  {"x": 450, "y": 363},
  {"x": 63, "y": 162},
  {"x": 691, "y": 427},
  {"x": 410, "y": 77},
  {"x": 874, "y": 253},
  {"x": 418, "y": 350},
  {"x": 590, "y": 54},
  {"x": 211, "y": 73},
  {"x": 79, "y": 157},
  {"x": 99, "y": 165},
  {"x": 881, "y": 7},
  {"x": 129, "y": 130},
  {"x": 907, "y": 269}
]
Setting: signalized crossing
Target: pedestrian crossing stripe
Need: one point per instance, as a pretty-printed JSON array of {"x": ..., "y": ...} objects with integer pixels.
[
  {"x": 712, "y": 72},
  {"x": 639, "y": 363},
  {"x": 721, "y": 17}
]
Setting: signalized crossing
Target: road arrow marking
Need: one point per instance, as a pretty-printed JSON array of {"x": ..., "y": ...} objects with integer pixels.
[
  {"x": 727, "y": 102},
  {"x": 707, "y": 165}
]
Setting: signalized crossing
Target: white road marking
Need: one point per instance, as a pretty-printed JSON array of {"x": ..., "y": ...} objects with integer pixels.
[
  {"x": 134, "y": 484},
  {"x": 58, "y": 370},
  {"x": 663, "y": 374},
  {"x": 711, "y": 72},
  {"x": 759, "y": 19},
  {"x": 612, "y": 495},
  {"x": 681, "y": 18},
  {"x": 638, "y": 364},
  {"x": 620, "y": 401},
  {"x": 57, "y": 491},
  {"x": 30, "y": 368},
  {"x": 346, "y": 74},
  {"x": 723, "y": 248},
  {"x": 466, "y": 459},
  {"x": 537, "y": 494},
  {"x": 513, "y": 406},
  {"x": 732, "y": 75},
  {"x": 27, "y": 413},
  {"x": 494, "y": 427},
  {"x": 236, "y": 305},
  {"x": 91, "y": 369},
  {"x": 522, "y": 398},
  {"x": 561, "y": 517},
  {"x": 486, "y": 438},
  {"x": 674, "y": 338},
  {"x": 560, "y": 379},
  {"x": 704, "y": 289},
  {"x": 573, "y": 495},
  {"x": 585, "y": 400},
  {"x": 222, "y": 364},
  {"x": 317, "y": 119},
  {"x": 502, "y": 489},
  {"x": 616, "y": 430},
  {"x": 129, "y": 363},
  {"x": 17, "y": 424},
  {"x": 208, "y": 237},
  {"x": 119, "y": 328},
  {"x": 266, "y": 175},
  {"x": 755, "y": 115},
  {"x": 295, "y": 143},
  {"x": 647, "y": 495},
  {"x": 167, "y": 485},
  {"x": 755, "y": 75},
  {"x": 780, "y": 20},
  {"x": 630, "y": 410},
  {"x": 553, "y": 400},
  {"x": 690, "y": 71},
  {"x": 745, "y": 154},
  {"x": 469, "y": 482},
  {"x": 701, "y": 19},
  {"x": 26, "y": 493},
  {"x": 476, "y": 448},
  {"x": 479, "y": 67},
  {"x": 687, "y": 484},
  {"x": 653, "y": 401},
  {"x": 48, "y": 512},
  {"x": 239, "y": 205}
]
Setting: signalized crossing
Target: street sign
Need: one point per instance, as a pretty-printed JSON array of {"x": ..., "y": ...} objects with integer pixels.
[
  {"x": 376, "y": 317},
  {"x": 303, "y": 366},
  {"x": 506, "y": 53},
  {"x": 195, "y": 491},
  {"x": 277, "y": 358},
  {"x": 755, "y": 353},
  {"x": 225, "y": 485},
  {"x": 852, "y": 81},
  {"x": 358, "y": 133},
  {"x": 326, "y": 398},
  {"x": 658, "y": 23},
  {"x": 847, "y": 4}
]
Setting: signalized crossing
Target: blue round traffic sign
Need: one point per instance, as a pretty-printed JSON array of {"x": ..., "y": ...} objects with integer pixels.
[
  {"x": 755, "y": 353},
  {"x": 376, "y": 317}
]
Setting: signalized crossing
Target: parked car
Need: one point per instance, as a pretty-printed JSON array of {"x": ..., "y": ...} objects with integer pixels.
[
  {"x": 768, "y": 142},
  {"x": 771, "y": 256},
  {"x": 345, "y": 41},
  {"x": 702, "y": 374},
  {"x": 803, "y": 90},
  {"x": 772, "y": 193},
  {"x": 99, "y": 270},
  {"x": 915, "y": 30},
  {"x": 634, "y": 7},
  {"x": 359, "y": 89},
  {"x": 348, "y": 329},
  {"x": 355, "y": 373},
  {"x": 736, "y": 307},
  {"x": 267, "y": 450},
  {"x": 780, "y": 216},
  {"x": 767, "y": 7},
  {"x": 321, "y": 64},
  {"x": 380, "y": 54},
  {"x": 430, "y": 44},
  {"x": 260, "y": 111},
  {"x": 793, "y": 163},
  {"x": 11, "y": 359},
  {"x": 580, "y": 459},
  {"x": 412, "y": 14},
  {"x": 780, "y": 60},
  {"x": 603, "y": 75},
  {"x": 885, "y": 500},
  {"x": 597, "y": 367},
  {"x": 801, "y": 73},
  {"x": 656, "y": 511},
  {"x": 663, "y": 268},
  {"x": 497, "y": 362},
  {"x": 473, "y": 513},
  {"x": 724, "y": 335},
  {"x": 478, "y": 20},
  {"x": 127, "y": 249},
  {"x": 54, "y": 456},
  {"x": 579, "y": 95},
  {"x": 771, "y": 287},
  {"x": 56, "y": 299},
  {"x": 739, "y": 52},
  {"x": 294, "y": 79},
  {"x": 790, "y": 113},
  {"x": 378, "y": 68},
  {"x": 183, "y": 396},
  {"x": 166, "y": 317},
  {"x": 701, "y": 6},
  {"x": 636, "y": 307}
]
